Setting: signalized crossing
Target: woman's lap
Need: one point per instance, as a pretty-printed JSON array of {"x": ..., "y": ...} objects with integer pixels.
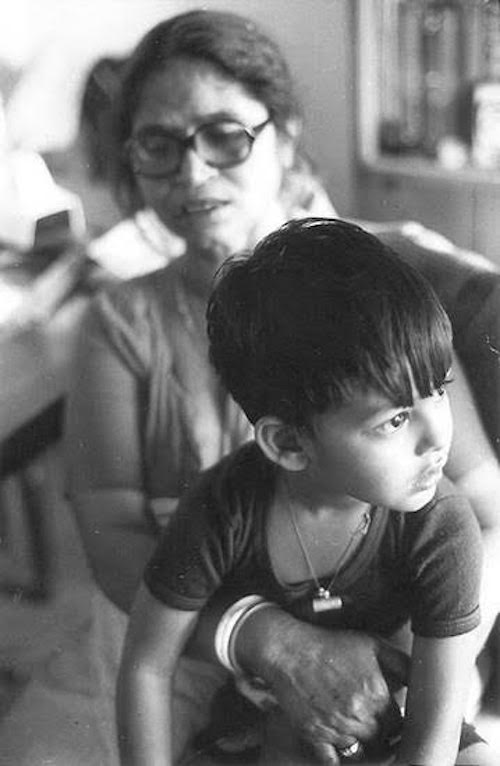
[
  {"x": 282, "y": 748},
  {"x": 195, "y": 684},
  {"x": 66, "y": 716}
]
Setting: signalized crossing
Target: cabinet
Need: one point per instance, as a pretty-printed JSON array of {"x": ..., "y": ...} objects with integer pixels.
[
  {"x": 34, "y": 376},
  {"x": 415, "y": 116}
]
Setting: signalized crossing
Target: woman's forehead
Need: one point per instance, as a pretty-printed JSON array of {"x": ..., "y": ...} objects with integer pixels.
[{"x": 187, "y": 92}]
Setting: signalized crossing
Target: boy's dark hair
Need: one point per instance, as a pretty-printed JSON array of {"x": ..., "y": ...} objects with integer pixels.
[
  {"x": 322, "y": 308},
  {"x": 233, "y": 44}
]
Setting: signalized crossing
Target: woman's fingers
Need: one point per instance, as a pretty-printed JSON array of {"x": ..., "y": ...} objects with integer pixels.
[
  {"x": 395, "y": 664},
  {"x": 322, "y": 753}
]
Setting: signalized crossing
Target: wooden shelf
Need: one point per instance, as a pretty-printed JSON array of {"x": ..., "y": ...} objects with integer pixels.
[
  {"x": 35, "y": 366},
  {"x": 417, "y": 167},
  {"x": 461, "y": 204},
  {"x": 373, "y": 72}
]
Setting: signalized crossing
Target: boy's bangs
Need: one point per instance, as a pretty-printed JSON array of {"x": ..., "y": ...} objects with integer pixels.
[{"x": 417, "y": 356}]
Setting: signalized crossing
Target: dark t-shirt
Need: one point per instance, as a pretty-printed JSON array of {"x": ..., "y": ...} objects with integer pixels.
[{"x": 423, "y": 566}]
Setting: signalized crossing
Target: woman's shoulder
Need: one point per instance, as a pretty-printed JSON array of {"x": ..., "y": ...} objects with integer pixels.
[
  {"x": 304, "y": 195},
  {"x": 131, "y": 298},
  {"x": 135, "y": 246},
  {"x": 135, "y": 318}
]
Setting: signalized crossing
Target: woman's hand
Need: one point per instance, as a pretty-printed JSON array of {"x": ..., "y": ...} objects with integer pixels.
[{"x": 330, "y": 684}]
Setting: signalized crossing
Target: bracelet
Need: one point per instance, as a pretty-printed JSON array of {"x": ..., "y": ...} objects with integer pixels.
[
  {"x": 226, "y": 625},
  {"x": 233, "y": 618},
  {"x": 236, "y": 629}
]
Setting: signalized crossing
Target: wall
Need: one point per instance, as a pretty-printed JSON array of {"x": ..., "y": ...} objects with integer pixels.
[{"x": 57, "y": 40}]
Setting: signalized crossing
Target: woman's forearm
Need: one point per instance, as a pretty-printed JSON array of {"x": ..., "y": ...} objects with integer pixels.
[
  {"x": 120, "y": 574},
  {"x": 339, "y": 669},
  {"x": 261, "y": 641},
  {"x": 482, "y": 488},
  {"x": 490, "y": 593},
  {"x": 117, "y": 539}
]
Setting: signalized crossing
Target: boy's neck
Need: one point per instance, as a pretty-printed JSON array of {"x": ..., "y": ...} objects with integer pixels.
[{"x": 309, "y": 499}]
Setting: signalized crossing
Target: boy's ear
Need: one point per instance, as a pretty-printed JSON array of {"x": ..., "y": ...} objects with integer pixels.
[{"x": 281, "y": 443}]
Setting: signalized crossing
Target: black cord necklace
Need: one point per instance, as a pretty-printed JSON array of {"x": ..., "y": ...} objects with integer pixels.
[{"x": 323, "y": 599}]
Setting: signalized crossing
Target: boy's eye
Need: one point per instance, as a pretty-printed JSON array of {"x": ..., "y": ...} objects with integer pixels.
[
  {"x": 440, "y": 391},
  {"x": 394, "y": 423}
]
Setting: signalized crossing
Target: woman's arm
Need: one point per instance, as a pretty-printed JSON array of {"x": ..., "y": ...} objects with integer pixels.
[
  {"x": 105, "y": 458},
  {"x": 475, "y": 471},
  {"x": 329, "y": 683},
  {"x": 117, "y": 539},
  {"x": 437, "y": 692},
  {"x": 105, "y": 464},
  {"x": 155, "y": 638}
]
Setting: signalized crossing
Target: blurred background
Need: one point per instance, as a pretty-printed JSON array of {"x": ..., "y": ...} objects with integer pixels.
[
  {"x": 401, "y": 97},
  {"x": 48, "y": 49}
]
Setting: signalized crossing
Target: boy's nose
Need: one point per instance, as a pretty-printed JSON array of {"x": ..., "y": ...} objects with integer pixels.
[
  {"x": 193, "y": 169},
  {"x": 436, "y": 430}
]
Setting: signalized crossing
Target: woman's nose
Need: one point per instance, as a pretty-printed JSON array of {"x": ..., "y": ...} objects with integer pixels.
[{"x": 193, "y": 169}]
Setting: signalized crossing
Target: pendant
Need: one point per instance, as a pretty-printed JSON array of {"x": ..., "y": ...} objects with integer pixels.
[{"x": 324, "y": 602}]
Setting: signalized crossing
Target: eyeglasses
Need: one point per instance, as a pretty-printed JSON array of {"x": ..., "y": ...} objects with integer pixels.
[{"x": 155, "y": 153}]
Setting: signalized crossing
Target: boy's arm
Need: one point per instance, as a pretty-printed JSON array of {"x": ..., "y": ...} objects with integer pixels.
[
  {"x": 437, "y": 691},
  {"x": 155, "y": 638}
]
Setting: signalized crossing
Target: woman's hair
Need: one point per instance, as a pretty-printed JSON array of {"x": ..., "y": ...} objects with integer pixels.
[
  {"x": 319, "y": 310},
  {"x": 231, "y": 43},
  {"x": 99, "y": 93}
]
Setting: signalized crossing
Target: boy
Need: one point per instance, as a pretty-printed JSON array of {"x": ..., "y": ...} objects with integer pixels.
[{"x": 339, "y": 355}]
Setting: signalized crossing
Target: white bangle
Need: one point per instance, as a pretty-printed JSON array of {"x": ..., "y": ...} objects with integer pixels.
[
  {"x": 236, "y": 629},
  {"x": 233, "y": 618},
  {"x": 226, "y": 625}
]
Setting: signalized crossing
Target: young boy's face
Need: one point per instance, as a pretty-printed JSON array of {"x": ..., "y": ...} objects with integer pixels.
[{"x": 370, "y": 450}]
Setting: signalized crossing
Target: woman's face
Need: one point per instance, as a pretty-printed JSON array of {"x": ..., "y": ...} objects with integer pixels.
[{"x": 217, "y": 211}]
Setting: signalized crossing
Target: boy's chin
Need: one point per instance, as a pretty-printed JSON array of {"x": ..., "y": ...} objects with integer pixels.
[{"x": 417, "y": 500}]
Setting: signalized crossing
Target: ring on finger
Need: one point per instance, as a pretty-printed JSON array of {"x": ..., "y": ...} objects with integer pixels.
[{"x": 355, "y": 750}]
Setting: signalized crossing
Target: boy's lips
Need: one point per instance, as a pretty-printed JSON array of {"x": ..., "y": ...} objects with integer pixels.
[{"x": 429, "y": 476}]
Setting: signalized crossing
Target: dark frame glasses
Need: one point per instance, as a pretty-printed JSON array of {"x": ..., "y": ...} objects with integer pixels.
[{"x": 155, "y": 152}]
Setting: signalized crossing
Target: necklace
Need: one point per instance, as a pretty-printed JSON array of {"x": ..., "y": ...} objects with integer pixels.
[{"x": 323, "y": 600}]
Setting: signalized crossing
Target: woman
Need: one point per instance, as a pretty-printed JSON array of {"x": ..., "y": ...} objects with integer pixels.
[
  {"x": 217, "y": 205},
  {"x": 207, "y": 128},
  {"x": 206, "y": 133}
]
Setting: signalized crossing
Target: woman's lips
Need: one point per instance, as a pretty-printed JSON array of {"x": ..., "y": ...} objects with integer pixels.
[{"x": 202, "y": 206}]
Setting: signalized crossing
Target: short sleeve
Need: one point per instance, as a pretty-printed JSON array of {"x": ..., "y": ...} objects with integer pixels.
[
  {"x": 196, "y": 550},
  {"x": 217, "y": 534},
  {"x": 443, "y": 548}
]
